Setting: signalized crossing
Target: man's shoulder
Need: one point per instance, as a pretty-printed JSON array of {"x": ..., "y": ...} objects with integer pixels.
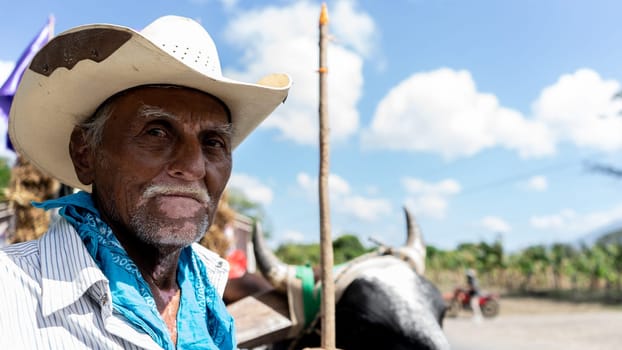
[
  {"x": 217, "y": 267},
  {"x": 30, "y": 252},
  {"x": 20, "y": 249},
  {"x": 20, "y": 272},
  {"x": 210, "y": 258},
  {"x": 18, "y": 254}
]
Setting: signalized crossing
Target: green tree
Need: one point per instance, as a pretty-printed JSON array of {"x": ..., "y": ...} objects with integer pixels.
[
  {"x": 560, "y": 257},
  {"x": 347, "y": 247},
  {"x": 491, "y": 259},
  {"x": 241, "y": 204},
  {"x": 299, "y": 254},
  {"x": 469, "y": 256},
  {"x": 616, "y": 257},
  {"x": 601, "y": 266},
  {"x": 5, "y": 177},
  {"x": 531, "y": 261},
  {"x": 582, "y": 264}
]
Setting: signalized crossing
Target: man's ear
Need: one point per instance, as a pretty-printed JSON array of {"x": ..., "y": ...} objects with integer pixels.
[{"x": 81, "y": 156}]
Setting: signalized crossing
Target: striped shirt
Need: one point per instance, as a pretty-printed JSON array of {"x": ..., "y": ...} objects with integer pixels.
[{"x": 53, "y": 296}]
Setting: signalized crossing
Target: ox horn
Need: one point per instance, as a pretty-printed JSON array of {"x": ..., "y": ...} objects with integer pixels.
[
  {"x": 273, "y": 269},
  {"x": 414, "y": 250},
  {"x": 414, "y": 237}
]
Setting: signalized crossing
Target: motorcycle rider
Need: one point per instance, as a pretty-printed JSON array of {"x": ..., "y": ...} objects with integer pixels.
[{"x": 474, "y": 293}]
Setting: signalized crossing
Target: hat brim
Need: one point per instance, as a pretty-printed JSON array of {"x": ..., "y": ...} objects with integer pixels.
[{"x": 46, "y": 108}]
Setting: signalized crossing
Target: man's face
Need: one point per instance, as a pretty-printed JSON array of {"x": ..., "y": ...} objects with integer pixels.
[{"x": 163, "y": 164}]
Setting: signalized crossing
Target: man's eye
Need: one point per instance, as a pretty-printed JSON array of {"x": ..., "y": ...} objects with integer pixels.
[
  {"x": 156, "y": 132},
  {"x": 213, "y": 142}
]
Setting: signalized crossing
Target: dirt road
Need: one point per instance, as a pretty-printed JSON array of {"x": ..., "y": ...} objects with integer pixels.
[{"x": 536, "y": 324}]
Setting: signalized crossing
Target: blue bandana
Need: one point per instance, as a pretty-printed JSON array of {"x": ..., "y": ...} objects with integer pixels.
[{"x": 203, "y": 321}]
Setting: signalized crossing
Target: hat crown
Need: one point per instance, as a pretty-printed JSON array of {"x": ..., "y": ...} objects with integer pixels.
[{"x": 186, "y": 40}]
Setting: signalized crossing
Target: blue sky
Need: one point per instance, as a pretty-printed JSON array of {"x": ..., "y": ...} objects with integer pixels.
[{"x": 479, "y": 116}]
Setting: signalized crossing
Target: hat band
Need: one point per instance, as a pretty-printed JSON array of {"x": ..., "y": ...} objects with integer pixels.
[{"x": 95, "y": 44}]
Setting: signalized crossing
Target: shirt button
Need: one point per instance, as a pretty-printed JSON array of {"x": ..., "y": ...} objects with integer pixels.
[{"x": 104, "y": 299}]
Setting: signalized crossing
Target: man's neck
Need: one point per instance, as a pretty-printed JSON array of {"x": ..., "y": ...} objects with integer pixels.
[
  {"x": 162, "y": 281},
  {"x": 159, "y": 269}
]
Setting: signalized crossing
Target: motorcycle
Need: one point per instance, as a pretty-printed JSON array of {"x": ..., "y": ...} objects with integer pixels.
[{"x": 460, "y": 299}]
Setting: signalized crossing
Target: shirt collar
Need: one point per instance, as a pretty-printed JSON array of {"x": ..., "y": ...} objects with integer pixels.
[{"x": 67, "y": 270}]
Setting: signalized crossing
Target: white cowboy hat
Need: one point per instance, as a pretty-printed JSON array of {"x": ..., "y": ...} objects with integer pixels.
[{"x": 82, "y": 67}]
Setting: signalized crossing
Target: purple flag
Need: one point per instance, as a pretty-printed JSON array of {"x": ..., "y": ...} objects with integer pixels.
[{"x": 10, "y": 85}]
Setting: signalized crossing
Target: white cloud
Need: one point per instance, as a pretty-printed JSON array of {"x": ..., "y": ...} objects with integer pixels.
[
  {"x": 367, "y": 209},
  {"x": 444, "y": 187},
  {"x": 537, "y": 183},
  {"x": 6, "y": 68},
  {"x": 571, "y": 223},
  {"x": 229, "y": 4},
  {"x": 429, "y": 205},
  {"x": 252, "y": 188},
  {"x": 293, "y": 236},
  {"x": 305, "y": 182},
  {"x": 354, "y": 28},
  {"x": 430, "y": 199},
  {"x": 580, "y": 108},
  {"x": 443, "y": 112},
  {"x": 495, "y": 224},
  {"x": 336, "y": 185},
  {"x": 562, "y": 220},
  {"x": 285, "y": 39}
]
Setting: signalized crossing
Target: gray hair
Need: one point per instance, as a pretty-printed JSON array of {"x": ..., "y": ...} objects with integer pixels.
[{"x": 93, "y": 126}]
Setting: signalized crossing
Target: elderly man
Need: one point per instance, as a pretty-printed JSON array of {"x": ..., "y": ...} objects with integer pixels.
[{"x": 146, "y": 123}]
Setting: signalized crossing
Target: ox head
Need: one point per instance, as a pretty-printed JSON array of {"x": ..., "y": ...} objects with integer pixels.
[{"x": 382, "y": 299}]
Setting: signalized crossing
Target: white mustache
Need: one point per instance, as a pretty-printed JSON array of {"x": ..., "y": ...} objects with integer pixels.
[{"x": 193, "y": 192}]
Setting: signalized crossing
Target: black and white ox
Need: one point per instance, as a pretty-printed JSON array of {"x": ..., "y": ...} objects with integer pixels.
[{"x": 382, "y": 299}]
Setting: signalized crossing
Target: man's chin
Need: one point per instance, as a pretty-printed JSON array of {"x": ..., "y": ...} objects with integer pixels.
[
  {"x": 158, "y": 229},
  {"x": 171, "y": 239},
  {"x": 170, "y": 234}
]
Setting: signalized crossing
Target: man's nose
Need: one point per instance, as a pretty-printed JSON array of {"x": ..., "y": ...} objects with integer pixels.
[{"x": 188, "y": 161}]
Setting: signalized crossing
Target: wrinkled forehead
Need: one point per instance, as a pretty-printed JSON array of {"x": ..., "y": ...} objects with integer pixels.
[{"x": 153, "y": 96}]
